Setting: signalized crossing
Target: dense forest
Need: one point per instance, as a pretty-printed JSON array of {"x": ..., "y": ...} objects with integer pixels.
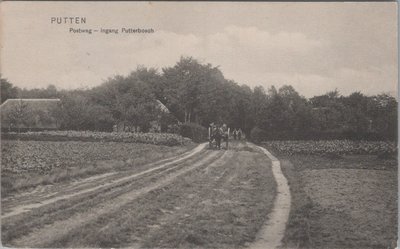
[{"x": 199, "y": 93}]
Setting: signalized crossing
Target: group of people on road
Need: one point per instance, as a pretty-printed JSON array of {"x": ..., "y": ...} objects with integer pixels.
[{"x": 218, "y": 133}]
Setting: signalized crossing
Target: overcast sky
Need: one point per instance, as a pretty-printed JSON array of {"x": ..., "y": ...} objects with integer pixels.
[{"x": 315, "y": 47}]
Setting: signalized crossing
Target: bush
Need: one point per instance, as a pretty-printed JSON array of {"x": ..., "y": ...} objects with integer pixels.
[
  {"x": 174, "y": 128},
  {"x": 257, "y": 135},
  {"x": 194, "y": 131}
]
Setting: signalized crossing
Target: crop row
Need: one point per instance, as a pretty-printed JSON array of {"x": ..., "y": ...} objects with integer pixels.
[
  {"x": 130, "y": 137},
  {"x": 44, "y": 156},
  {"x": 332, "y": 146}
]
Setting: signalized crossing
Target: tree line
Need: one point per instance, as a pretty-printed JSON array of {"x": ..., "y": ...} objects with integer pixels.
[{"x": 199, "y": 93}]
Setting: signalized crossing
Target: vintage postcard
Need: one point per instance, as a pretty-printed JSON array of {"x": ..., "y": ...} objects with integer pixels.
[{"x": 199, "y": 124}]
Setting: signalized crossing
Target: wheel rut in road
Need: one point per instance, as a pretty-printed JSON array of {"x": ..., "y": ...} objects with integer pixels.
[{"x": 271, "y": 234}]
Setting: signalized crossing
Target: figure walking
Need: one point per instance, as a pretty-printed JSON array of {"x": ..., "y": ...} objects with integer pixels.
[
  {"x": 234, "y": 134},
  {"x": 218, "y": 137}
]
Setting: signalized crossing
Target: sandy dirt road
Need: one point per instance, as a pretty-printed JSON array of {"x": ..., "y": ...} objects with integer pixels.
[{"x": 69, "y": 215}]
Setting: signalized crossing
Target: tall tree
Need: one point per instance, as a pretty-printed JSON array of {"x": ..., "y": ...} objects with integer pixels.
[{"x": 8, "y": 91}]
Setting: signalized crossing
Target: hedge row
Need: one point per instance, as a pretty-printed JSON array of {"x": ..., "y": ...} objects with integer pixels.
[
  {"x": 194, "y": 131},
  {"x": 257, "y": 135}
]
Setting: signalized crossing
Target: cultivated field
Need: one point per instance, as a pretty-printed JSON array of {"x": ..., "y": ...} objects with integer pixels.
[
  {"x": 340, "y": 199},
  {"x": 95, "y": 136},
  {"x": 27, "y": 164},
  {"x": 332, "y": 147},
  {"x": 196, "y": 198}
]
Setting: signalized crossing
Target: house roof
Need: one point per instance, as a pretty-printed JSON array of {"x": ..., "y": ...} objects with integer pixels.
[
  {"x": 30, "y": 102},
  {"x": 162, "y": 107},
  {"x": 40, "y": 109}
]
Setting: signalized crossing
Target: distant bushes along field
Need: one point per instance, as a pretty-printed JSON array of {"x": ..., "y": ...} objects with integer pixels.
[
  {"x": 258, "y": 135},
  {"x": 334, "y": 147},
  {"x": 129, "y": 137}
]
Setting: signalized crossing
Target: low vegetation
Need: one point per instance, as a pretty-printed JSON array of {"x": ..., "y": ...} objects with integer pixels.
[
  {"x": 194, "y": 131},
  {"x": 341, "y": 147},
  {"x": 128, "y": 137},
  {"x": 27, "y": 164}
]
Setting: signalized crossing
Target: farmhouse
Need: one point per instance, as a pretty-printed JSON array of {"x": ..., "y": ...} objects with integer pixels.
[
  {"x": 30, "y": 114},
  {"x": 155, "y": 126}
]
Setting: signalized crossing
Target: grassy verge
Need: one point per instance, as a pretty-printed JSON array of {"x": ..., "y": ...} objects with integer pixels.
[
  {"x": 297, "y": 234},
  {"x": 346, "y": 202},
  {"x": 27, "y": 164}
]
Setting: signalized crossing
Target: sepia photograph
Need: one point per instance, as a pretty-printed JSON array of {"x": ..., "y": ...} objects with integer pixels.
[{"x": 223, "y": 125}]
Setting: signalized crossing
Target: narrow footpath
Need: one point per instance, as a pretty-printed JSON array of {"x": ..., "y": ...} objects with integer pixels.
[{"x": 271, "y": 234}]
